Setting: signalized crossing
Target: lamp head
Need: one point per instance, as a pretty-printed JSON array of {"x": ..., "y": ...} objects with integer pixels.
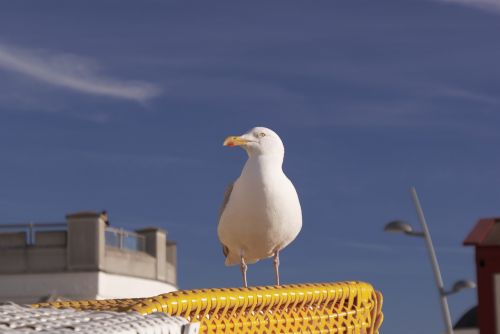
[
  {"x": 398, "y": 226},
  {"x": 462, "y": 285}
]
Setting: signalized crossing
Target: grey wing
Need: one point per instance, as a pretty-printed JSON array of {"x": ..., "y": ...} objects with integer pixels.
[{"x": 227, "y": 195}]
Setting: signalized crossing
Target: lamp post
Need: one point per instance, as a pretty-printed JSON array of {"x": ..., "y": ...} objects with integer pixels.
[{"x": 402, "y": 227}]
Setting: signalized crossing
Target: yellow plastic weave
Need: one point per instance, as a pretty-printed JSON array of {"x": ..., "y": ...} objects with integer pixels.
[{"x": 340, "y": 308}]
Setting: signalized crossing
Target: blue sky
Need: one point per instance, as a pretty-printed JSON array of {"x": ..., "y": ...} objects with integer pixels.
[{"x": 124, "y": 105}]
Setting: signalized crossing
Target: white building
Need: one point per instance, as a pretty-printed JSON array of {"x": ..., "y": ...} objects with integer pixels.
[{"x": 84, "y": 259}]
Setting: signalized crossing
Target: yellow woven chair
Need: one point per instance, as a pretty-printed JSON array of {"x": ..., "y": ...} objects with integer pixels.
[{"x": 340, "y": 308}]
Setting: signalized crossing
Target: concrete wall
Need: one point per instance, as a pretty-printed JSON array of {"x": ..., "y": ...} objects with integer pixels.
[
  {"x": 33, "y": 288},
  {"x": 130, "y": 263},
  {"x": 32, "y": 259},
  {"x": 12, "y": 240},
  {"x": 117, "y": 286},
  {"x": 172, "y": 252},
  {"x": 86, "y": 242},
  {"x": 171, "y": 274},
  {"x": 51, "y": 239}
]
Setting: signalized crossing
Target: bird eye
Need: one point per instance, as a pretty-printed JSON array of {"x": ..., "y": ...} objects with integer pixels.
[{"x": 262, "y": 134}]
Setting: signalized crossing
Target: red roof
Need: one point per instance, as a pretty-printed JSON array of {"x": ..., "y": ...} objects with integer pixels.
[{"x": 485, "y": 233}]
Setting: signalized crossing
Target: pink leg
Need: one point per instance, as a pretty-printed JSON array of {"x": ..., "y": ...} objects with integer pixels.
[
  {"x": 244, "y": 268},
  {"x": 276, "y": 262}
]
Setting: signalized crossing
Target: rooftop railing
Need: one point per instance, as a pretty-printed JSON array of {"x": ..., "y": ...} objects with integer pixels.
[
  {"x": 31, "y": 229},
  {"x": 123, "y": 239},
  {"x": 115, "y": 237}
]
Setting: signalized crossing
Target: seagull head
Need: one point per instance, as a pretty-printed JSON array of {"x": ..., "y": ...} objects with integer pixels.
[{"x": 258, "y": 141}]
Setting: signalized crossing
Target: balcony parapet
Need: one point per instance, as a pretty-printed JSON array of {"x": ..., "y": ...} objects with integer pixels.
[{"x": 85, "y": 243}]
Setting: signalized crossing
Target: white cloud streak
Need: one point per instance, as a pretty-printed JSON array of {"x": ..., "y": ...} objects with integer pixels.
[
  {"x": 489, "y": 5},
  {"x": 72, "y": 72}
]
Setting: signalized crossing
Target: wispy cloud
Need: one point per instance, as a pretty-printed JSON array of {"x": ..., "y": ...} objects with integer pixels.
[
  {"x": 367, "y": 246},
  {"x": 360, "y": 244},
  {"x": 464, "y": 94},
  {"x": 72, "y": 72},
  {"x": 138, "y": 160},
  {"x": 490, "y": 5},
  {"x": 381, "y": 247}
]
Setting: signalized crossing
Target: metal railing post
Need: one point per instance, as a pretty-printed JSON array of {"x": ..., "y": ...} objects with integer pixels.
[
  {"x": 120, "y": 238},
  {"x": 31, "y": 236}
]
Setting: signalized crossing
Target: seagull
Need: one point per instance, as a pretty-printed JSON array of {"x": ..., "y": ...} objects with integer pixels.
[{"x": 261, "y": 213}]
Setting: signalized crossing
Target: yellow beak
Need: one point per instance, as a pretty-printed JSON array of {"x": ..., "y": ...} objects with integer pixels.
[{"x": 234, "y": 141}]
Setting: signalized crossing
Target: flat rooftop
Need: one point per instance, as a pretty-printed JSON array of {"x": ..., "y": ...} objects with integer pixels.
[{"x": 85, "y": 243}]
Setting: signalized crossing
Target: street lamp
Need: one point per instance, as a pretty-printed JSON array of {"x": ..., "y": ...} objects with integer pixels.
[
  {"x": 461, "y": 285},
  {"x": 403, "y": 227},
  {"x": 399, "y": 226}
]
